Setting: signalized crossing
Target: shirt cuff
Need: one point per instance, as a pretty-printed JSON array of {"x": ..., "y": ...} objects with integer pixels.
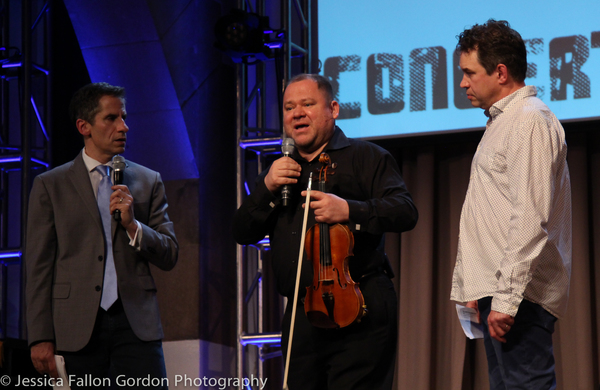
[
  {"x": 358, "y": 214},
  {"x": 136, "y": 240},
  {"x": 507, "y": 304}
]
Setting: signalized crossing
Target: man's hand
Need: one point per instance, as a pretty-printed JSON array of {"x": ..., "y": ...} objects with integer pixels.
[
  {"x": 42, "y": 356},
  {"x": 122, "y": 200},
  {"x": 328, "y": 208},
  {"x": 499, "y": 324},
  {"x": 283, "y": 171},
  {"x": 474, "y": 305}
]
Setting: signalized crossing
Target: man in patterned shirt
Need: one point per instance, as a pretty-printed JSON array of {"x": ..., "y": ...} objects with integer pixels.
[{"x": 514, "y": 252}]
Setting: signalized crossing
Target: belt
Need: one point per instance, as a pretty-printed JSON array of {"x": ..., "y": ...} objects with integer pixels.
[{"x": 377, "y": 271}]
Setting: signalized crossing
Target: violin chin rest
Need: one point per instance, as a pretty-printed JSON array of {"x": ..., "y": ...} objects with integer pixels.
[{"x": 321, "y": 320}]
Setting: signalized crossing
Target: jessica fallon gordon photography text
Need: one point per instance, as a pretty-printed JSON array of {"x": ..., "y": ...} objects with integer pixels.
[{"x": 126, "y": 382}]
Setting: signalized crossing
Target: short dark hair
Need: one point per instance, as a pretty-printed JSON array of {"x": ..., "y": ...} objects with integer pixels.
[
  {"x": 496, "y": 43},
  {"x": 85, "y": 103},
  {"x": 322, "y": 83}
]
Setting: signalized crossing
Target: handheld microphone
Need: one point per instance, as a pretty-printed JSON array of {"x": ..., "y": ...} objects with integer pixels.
[
  {"x": 118, "y": 168},
  {"x": 287, "y": 148}
]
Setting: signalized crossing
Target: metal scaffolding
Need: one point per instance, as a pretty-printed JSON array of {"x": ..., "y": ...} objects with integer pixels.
[
  {"x": 24, "y": 142},
  {"x": 259, "y": 134}
]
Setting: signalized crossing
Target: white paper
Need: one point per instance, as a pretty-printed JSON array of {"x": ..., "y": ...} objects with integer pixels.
[
  {"x": 469, "y": 322},
  {"x": 62, "y": 383}
]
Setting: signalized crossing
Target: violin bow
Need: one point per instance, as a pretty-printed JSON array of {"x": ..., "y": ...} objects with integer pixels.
[{"x": 298, "y": 272}]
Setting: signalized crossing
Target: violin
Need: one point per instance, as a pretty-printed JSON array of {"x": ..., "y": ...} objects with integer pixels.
[{"x": 333, "y": 300}]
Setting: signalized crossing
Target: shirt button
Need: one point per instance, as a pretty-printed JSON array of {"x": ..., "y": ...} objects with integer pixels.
[
  {"x": 100, "y": 258},
  {"x": 98, "y": 288}
]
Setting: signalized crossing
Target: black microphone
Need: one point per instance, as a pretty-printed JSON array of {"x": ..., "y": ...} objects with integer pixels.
[
  {"x": 118, "y": 167},
  {"x": 287, "y": 148}
]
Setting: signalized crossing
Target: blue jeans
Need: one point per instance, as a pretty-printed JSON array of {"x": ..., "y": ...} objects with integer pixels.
[{"x": 526, "y": 360}]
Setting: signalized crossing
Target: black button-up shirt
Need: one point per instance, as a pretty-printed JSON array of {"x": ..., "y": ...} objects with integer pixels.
[{"x": 366, "y": 176}]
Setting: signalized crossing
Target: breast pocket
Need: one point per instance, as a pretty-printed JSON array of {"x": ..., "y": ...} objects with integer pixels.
[{"x": 489, "y": 164}]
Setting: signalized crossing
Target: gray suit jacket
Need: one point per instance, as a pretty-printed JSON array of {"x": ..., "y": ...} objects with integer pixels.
[{"x": 65, "y": 252}]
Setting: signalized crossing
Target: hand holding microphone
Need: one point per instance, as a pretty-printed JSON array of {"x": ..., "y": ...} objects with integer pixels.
[
  {"x": 118, "y": 168},
  {"x": 287, "y": 148},
  {"x": 283, "y": 173}
]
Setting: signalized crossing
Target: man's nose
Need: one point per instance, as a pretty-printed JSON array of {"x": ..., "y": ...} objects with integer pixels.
[
  {"x": 298, "y": 112},
  {"x": 123, "y": 126},
  {"x": 464, "y": 83}
]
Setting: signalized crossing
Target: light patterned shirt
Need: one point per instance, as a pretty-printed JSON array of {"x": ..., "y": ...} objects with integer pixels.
[{"x": 515, "y": 225}]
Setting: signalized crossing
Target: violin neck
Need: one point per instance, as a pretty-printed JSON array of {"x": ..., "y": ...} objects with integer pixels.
[{"x": 325, "y": 250}]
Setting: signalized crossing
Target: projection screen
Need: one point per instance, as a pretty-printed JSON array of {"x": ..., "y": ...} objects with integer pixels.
[{"x": 394, "y": 70}]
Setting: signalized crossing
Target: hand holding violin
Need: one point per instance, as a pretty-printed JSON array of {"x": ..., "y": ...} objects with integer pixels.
[{"x": 328, "y": 208}]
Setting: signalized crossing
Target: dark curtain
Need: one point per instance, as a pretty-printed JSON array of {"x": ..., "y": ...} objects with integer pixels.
[{"x": 433, "y": 352}]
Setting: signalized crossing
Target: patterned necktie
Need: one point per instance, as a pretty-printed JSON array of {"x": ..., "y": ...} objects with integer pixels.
[{"x": 109, "y": 291}]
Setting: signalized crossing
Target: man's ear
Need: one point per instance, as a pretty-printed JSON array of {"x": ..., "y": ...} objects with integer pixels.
[
  {"x": 83, "y": 127},
  {"x": 335, "y": 109},
  {"x": 503, "y": 75}
]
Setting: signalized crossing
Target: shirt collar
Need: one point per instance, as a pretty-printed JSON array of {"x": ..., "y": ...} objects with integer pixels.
[
  {"x": 502, "y": 104},
  {"x": 91, "y": 163},
  {"x": 338, "y": 141}
]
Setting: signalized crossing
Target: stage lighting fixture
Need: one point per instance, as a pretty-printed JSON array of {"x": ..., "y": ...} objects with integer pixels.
[{"x": 245, "y": 37}]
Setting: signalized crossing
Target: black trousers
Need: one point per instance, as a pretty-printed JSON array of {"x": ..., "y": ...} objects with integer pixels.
[
  {"x": 359, "y": 356},
  {"x": 115, "y": 358}
]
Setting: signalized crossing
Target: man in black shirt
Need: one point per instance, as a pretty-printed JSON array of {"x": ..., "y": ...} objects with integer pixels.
[{"x": 368, "y": 195}]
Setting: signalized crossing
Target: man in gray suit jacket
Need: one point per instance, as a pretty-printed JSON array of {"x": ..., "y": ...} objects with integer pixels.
[{"x": 66, "y": 255}]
